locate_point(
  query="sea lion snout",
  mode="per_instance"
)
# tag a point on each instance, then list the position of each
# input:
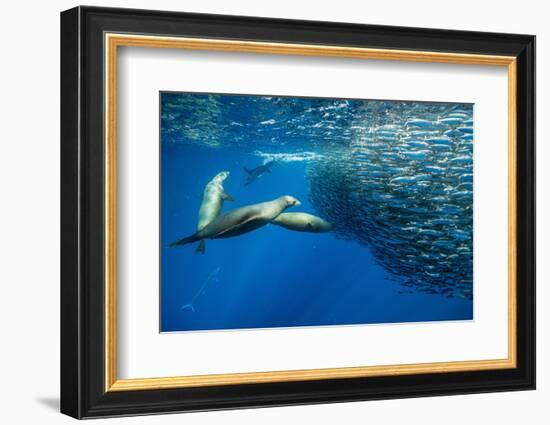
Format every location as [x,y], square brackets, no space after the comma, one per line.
[222,175]
[291,201]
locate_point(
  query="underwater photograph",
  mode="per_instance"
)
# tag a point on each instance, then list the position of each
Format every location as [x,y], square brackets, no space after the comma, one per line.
[281,212]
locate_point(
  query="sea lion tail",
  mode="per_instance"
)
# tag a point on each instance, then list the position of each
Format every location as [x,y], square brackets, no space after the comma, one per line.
[184,241]
[201,248]
[248,170]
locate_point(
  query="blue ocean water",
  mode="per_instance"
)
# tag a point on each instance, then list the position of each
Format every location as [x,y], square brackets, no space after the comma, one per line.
[393,178]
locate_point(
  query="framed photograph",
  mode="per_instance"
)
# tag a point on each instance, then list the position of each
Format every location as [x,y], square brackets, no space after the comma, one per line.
[261,212]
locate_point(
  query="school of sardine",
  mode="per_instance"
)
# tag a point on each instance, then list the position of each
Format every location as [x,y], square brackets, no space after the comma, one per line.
[403,186]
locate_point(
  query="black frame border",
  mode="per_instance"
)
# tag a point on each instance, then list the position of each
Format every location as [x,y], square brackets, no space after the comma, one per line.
[82,205]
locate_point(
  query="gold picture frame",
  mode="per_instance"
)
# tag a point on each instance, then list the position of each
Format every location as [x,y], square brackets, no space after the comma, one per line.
[114,41]
[91,39]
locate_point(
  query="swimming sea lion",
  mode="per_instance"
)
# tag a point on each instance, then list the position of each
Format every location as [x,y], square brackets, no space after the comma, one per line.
[212,202]
[241,220]
[302,222]
[254,173]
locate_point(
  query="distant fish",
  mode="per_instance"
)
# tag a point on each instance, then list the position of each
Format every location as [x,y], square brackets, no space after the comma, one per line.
[453,133]
[392,127]
[386,133]
[449,210]
[451,121]
[417,155]
[462,194]
[419,123]
[417,144]
[423,133]
[461,160]
[430,232]
[409,179]
[460,235]
[442,140]
[468,129]
[462,115]
[391,155]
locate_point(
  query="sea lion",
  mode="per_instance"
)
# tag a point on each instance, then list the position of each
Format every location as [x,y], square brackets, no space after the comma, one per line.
[212,202]
[255,173]
[241,220]
[302,222]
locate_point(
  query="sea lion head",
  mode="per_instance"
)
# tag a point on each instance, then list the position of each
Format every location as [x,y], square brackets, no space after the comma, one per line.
[290,201]
[221,176]
[318,225]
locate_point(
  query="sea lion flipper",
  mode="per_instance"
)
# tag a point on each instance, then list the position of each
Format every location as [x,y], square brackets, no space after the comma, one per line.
[201,248]
[184,241]
[234,227]
[227,197]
